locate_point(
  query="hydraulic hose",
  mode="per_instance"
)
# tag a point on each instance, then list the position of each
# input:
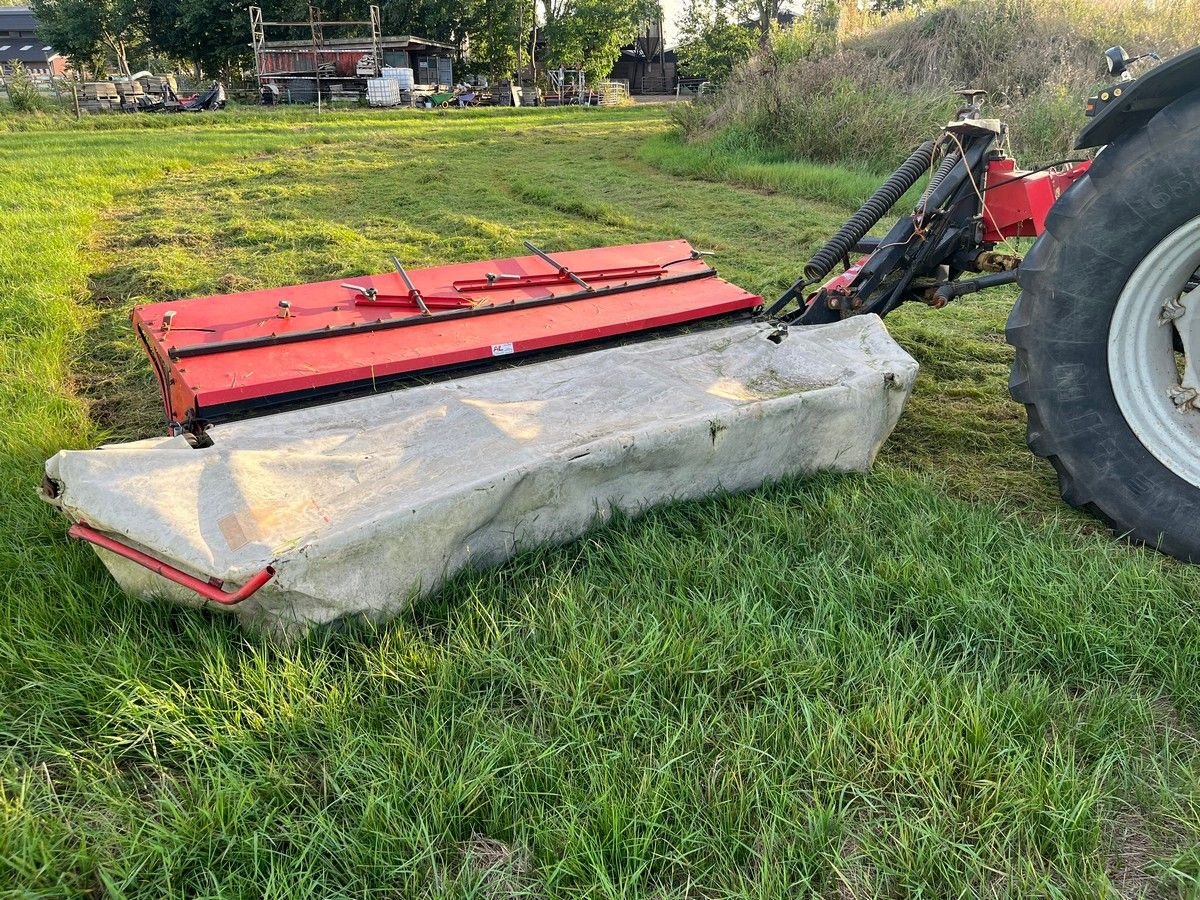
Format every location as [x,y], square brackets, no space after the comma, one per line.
[952,159]
[871,212]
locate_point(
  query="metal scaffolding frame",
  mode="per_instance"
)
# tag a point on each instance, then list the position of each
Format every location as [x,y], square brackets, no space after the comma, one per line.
[316,28]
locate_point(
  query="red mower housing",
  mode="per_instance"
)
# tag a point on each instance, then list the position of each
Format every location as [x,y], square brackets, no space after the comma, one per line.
[1017,202]
[227,356]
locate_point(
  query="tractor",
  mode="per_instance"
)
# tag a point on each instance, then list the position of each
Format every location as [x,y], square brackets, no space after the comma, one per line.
[1106,330]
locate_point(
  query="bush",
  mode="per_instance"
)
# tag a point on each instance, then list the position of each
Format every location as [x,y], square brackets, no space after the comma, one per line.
[867,88]
[711,45]
[22,92]
[828,110]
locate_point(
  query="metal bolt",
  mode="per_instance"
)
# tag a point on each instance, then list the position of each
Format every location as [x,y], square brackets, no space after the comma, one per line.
[285,309]
[1171,310]
[1184,398]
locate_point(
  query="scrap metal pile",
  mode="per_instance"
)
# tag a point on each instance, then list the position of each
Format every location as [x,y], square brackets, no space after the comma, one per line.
[147,93]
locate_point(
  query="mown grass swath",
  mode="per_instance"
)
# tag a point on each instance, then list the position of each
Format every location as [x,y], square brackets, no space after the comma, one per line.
[926,681]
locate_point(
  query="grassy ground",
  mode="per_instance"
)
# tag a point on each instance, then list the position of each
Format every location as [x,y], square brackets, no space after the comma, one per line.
[925,682]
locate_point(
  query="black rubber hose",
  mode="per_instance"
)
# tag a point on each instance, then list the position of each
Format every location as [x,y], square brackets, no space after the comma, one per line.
[871,212]
[948,164]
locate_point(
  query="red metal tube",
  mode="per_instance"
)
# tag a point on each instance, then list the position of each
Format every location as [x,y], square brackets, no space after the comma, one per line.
[507,282]
[209,590]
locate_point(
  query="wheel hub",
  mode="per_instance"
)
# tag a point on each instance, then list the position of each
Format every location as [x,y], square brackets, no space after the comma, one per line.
[1183,314]
[1154,352]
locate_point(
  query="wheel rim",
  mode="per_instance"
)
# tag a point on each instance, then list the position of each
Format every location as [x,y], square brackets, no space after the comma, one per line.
[1149,379]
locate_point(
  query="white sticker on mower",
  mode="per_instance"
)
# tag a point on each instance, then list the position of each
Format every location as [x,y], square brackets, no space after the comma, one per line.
[501,349]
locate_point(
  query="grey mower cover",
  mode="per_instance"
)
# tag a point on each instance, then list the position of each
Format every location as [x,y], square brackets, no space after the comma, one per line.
[363,505]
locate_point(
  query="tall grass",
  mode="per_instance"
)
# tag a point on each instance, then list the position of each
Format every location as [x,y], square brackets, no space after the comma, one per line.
[874,86]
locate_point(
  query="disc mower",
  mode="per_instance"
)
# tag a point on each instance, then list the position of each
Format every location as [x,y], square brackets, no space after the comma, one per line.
[1106,331]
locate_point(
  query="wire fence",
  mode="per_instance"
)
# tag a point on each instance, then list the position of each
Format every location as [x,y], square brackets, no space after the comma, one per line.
[48,90]
[71,95]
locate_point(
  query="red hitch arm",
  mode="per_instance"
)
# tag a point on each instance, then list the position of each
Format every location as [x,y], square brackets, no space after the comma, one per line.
[209,590]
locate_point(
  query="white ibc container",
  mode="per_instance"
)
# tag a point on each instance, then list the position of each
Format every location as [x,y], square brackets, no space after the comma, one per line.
[383,92]
[404,76]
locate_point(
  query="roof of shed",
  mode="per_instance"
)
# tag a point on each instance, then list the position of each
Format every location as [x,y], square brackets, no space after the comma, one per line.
[388,42]
[33,54]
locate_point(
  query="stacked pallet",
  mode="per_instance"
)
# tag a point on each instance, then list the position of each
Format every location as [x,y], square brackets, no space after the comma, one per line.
[160,86]
[508,94]
[131,93]
[99,96]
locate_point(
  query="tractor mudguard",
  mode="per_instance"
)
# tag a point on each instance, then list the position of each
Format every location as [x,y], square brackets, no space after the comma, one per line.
[1141,98]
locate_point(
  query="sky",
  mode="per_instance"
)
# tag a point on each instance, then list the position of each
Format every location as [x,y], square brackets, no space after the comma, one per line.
[671,10]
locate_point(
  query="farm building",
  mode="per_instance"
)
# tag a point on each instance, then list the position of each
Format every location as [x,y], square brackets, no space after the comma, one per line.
[645,73]
[19,41]
[300,59]
[430,60]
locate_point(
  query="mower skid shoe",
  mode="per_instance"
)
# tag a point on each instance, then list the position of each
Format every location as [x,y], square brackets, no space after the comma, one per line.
[358,507]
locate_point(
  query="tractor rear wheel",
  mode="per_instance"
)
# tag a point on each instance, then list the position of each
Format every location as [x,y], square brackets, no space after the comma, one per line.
[1107,334]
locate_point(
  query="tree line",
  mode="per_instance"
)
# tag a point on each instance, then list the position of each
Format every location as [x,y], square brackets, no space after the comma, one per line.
[213,36]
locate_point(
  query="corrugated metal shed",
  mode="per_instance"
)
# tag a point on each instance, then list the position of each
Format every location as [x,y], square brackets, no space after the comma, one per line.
[339,64]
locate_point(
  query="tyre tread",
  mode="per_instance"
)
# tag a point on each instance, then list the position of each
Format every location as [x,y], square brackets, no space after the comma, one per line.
[1052,280]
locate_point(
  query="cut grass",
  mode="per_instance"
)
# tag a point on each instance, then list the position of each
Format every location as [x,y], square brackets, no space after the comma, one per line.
[855,686]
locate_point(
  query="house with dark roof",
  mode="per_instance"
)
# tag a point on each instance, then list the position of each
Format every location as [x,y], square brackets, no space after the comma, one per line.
[19,40]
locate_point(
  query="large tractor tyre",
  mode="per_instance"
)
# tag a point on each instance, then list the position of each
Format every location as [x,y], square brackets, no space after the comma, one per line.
[1107,333]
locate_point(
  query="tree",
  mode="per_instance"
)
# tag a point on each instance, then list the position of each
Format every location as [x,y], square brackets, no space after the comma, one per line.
[765,13]
[495,29]
[439,20]
[589,34]
[89,31]
[711,41]
[210,34]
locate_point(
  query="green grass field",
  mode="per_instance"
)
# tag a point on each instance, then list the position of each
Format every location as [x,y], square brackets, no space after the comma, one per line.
[934,681]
